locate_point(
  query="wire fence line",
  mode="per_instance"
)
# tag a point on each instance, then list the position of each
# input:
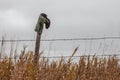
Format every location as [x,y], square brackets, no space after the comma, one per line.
[85,56]
[67,39]
[70,39]
[109,55]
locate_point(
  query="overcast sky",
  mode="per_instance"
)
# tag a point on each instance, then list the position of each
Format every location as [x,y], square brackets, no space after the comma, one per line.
[69,18]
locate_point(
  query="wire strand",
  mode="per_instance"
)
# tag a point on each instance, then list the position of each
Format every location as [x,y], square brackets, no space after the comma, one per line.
[67,39]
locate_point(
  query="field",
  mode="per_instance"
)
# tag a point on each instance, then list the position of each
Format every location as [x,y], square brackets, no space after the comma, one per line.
[87,68]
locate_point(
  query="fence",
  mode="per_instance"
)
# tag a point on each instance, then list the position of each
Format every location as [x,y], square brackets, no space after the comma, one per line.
[72,39]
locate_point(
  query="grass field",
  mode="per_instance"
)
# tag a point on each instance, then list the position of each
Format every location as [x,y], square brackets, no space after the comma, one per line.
[87,68]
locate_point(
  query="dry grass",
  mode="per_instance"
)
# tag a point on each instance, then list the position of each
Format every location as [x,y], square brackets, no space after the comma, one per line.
[86,69]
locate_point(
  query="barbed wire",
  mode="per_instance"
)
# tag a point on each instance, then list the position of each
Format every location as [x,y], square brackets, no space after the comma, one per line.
[67,39]
[109,55]
[85,56]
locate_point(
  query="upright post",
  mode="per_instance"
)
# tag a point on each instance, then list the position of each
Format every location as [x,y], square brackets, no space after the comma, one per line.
[39,28]
[37,45]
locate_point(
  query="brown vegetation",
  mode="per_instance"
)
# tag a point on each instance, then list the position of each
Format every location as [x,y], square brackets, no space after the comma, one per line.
[86,69]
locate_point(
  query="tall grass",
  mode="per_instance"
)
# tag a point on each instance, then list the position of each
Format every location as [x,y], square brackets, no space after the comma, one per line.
[86,68]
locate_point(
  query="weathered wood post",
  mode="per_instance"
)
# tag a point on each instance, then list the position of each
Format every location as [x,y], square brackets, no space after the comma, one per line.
[39,28]
[37,45]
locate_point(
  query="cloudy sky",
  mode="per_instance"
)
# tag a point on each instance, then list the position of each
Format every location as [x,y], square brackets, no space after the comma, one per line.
[69,18]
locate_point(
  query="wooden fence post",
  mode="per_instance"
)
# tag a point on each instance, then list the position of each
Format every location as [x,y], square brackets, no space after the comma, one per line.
[39,28]
[37,47]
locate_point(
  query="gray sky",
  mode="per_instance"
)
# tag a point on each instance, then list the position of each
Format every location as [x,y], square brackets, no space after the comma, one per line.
[70,18]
